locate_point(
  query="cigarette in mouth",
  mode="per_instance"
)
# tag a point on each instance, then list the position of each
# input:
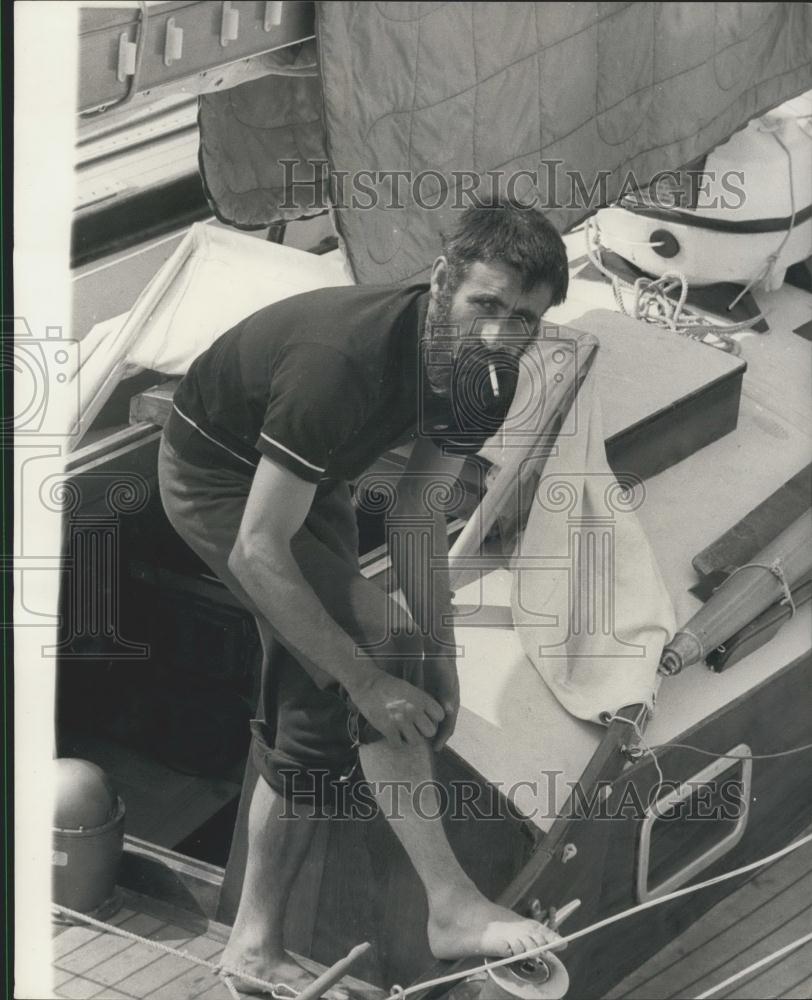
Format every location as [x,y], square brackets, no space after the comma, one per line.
[494,379]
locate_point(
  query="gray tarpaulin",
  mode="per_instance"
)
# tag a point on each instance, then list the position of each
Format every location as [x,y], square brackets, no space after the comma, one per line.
[554,90]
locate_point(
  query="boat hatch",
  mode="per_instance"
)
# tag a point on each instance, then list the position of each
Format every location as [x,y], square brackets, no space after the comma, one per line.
[693,825]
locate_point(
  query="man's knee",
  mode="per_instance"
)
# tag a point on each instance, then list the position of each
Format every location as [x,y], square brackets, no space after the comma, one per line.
[306,784]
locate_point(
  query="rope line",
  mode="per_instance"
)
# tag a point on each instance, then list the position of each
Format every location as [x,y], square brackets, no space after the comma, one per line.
[777,569]
[797,943]
[646,749]
[766,271]
[232,989]
[651,300]
[735,756]
[398,993]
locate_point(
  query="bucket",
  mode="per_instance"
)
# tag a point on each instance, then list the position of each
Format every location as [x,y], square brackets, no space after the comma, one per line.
[86,858]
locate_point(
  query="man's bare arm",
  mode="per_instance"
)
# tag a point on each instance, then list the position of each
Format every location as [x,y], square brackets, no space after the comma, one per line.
[262,561]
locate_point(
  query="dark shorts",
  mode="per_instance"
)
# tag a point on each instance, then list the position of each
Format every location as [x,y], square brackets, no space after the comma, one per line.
[306,734]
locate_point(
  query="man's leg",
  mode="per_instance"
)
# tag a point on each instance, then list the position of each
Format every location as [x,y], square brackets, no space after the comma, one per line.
[209,522]
[277,846]
[205,507]
[280,832]
[462,922]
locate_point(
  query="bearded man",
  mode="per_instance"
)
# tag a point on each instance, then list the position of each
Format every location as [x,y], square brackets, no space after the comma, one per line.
[269,427]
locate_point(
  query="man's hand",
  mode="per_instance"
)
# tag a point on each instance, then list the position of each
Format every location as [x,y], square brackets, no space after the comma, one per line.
[441,681]
[399,711]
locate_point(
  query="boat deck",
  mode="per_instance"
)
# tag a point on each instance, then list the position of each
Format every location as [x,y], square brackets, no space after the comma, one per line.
[93,963]
[772,909]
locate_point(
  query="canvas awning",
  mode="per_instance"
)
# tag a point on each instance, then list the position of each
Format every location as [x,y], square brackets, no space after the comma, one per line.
[566,101]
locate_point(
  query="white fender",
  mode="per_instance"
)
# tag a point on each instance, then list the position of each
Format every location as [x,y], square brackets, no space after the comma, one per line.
[735,232]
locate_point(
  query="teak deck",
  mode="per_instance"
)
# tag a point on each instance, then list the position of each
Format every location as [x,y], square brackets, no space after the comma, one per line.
[91,963]
[769,911]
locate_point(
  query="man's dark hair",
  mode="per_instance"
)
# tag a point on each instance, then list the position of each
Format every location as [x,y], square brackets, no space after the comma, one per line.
[512,234]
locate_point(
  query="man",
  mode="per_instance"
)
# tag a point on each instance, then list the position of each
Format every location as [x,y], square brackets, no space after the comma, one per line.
[268,427]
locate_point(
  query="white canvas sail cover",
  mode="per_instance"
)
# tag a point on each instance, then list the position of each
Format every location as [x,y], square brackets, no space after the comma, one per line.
[589,604]
[215,278]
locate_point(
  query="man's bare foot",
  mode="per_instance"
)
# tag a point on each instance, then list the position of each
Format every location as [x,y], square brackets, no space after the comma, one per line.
[469,925]
[279,970]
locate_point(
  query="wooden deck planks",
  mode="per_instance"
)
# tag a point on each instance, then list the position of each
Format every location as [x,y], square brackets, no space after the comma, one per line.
[801,990]
[774,977]
[99,965]
[217,992]
[191,983]
[777,981]
[103,946]
[145,982]
[59,977]
[78,988]
[138,956]
[766,913]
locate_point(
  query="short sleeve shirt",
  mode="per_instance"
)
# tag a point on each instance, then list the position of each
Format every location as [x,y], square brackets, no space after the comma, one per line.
[322,383]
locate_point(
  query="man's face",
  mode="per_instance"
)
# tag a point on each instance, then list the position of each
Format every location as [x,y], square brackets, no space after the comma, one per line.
[488,304]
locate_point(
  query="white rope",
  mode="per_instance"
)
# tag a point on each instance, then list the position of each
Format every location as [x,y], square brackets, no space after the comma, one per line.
[275,989]
[777,569]
[803,748]
[232,989]
[398,993]
[651,300]
[646,749]
[766,271]
[798,943]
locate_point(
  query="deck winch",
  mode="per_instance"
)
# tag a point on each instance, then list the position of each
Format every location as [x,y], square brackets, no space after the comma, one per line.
[541,978]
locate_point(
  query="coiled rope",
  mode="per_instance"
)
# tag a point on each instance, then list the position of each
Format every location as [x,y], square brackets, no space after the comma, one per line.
[652,301]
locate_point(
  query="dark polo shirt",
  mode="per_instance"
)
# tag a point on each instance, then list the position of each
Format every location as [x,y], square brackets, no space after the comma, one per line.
[322,383]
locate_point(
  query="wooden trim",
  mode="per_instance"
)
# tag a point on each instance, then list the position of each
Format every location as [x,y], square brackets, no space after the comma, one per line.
[780,810]
[604,766]
[606,763]
[110,446]
[171,878]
